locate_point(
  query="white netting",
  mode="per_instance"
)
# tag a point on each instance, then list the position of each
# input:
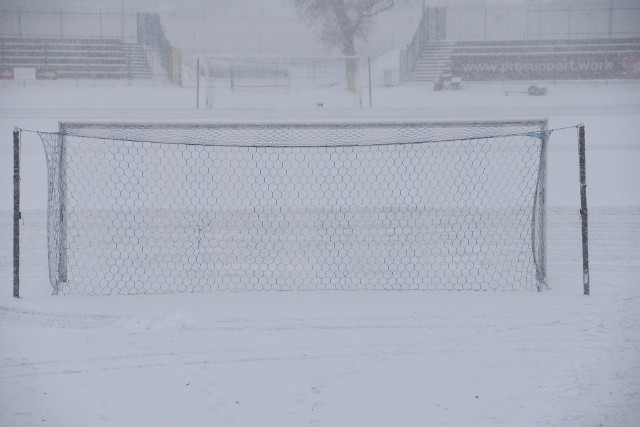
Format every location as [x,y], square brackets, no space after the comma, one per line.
[279,73]
[187,208]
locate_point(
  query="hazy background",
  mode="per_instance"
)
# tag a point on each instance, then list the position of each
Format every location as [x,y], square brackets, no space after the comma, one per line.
[266,27]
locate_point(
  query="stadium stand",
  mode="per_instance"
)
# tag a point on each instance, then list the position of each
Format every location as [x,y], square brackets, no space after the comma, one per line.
[491,60]
[76,58]
[564,41]
[80,44]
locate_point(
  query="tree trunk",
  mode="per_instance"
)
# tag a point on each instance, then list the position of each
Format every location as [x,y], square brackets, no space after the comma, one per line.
[351,64]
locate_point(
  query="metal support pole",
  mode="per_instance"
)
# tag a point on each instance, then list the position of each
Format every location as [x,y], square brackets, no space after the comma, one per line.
[370,100]
[16,213]
[544,197]
[19,21]
[122,21]
[198,83]
[64,203]
[583,210]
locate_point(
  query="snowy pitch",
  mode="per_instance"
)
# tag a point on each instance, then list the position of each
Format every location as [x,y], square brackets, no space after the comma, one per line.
[373,358]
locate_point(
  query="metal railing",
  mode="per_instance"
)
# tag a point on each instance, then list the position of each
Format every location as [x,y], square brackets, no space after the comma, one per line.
[410,56]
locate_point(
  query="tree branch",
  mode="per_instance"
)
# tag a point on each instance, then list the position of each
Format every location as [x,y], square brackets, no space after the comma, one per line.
[381,5]
[341,22]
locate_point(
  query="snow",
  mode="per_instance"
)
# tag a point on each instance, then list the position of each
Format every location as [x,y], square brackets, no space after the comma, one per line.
[555,358]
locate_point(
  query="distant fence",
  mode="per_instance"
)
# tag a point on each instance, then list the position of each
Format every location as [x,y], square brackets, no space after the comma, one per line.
[66,24]
[607,20]
[582,21]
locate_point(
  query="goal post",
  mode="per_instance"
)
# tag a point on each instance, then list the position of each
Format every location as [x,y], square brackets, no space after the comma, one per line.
[194,207]
[16,213]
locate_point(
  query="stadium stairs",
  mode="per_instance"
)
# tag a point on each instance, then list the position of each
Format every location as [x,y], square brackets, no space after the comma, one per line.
[434,61]
[76,58]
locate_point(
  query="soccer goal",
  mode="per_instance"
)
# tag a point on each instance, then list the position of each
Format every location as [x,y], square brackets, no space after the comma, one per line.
[272,73]
[161,208]
[261,81]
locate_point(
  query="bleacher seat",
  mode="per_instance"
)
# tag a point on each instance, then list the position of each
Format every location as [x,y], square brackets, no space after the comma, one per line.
[75,58]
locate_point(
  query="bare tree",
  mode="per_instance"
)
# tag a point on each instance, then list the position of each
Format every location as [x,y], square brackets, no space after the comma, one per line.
[341,22]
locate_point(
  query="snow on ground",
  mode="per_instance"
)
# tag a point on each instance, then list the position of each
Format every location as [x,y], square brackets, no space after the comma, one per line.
[555,358]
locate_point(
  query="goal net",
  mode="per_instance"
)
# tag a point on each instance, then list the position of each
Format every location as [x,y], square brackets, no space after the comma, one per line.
[156,208]
[267,73]
[264,81]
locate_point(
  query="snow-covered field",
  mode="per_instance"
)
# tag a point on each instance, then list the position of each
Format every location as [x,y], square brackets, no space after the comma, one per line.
[379,358]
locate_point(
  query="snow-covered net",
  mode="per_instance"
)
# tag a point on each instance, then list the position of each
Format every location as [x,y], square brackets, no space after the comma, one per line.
[204,207]
[264,73]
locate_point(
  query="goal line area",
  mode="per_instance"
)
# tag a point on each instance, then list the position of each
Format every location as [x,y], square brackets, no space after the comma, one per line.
[136,208]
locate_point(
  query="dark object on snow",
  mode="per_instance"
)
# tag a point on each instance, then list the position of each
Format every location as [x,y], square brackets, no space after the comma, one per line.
[533,90]
[537,91]
[447,82]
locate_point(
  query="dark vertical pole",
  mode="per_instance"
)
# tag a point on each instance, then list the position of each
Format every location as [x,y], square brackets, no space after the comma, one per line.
[64,230]
[527,37]
[569,21]
[19,21]
[198,83]
[122,21]
[610,22]
[485,23]
[370,100]
[16,213]
[544,196]
[583,210]
[424,24]
[128,62]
